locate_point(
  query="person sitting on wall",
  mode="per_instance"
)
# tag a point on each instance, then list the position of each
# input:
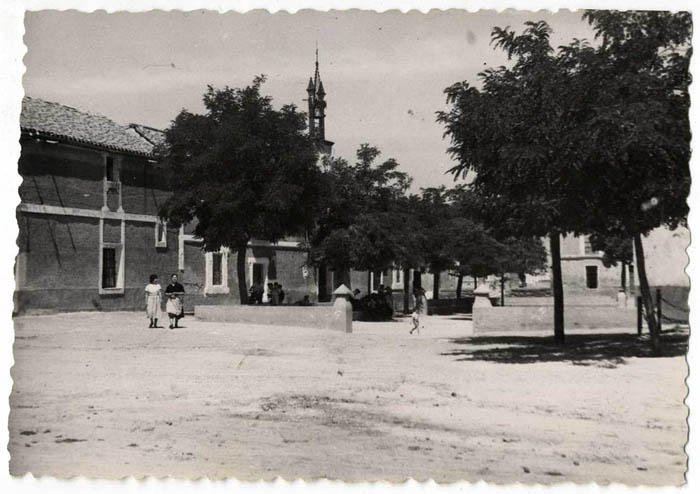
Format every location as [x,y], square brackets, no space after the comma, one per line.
[273,293]
[355,299]
[280,293]
[305,302]
[256,293]
[269,293]
[388,295]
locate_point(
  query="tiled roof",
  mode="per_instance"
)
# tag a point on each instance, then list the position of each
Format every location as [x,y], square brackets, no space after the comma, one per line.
[60,122]
[154,136]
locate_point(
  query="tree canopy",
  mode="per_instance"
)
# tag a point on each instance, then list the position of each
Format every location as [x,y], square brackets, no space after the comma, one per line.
[636,127]
[586,139]
[361,222]
[243,170]
[515,133]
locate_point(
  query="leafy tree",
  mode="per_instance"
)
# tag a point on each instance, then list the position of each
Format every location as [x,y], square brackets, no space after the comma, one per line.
[616,249]
[475,251]
[515,133]
[456,239]
[242,169]
[523,256]
[433,216]
[362,224]
[633,93]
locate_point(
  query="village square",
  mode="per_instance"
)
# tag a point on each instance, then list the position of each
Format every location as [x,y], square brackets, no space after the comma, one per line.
[323,267]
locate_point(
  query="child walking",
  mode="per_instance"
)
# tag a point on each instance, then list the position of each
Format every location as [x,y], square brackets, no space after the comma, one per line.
[420,310]
[153,300]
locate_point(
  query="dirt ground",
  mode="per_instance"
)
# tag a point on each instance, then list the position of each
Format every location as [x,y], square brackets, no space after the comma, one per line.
[101,395]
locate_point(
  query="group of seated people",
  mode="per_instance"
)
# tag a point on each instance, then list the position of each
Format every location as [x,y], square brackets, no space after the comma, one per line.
[275,294]
[383,298]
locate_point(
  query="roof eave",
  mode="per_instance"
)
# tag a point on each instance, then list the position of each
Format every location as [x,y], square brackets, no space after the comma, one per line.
[37,134]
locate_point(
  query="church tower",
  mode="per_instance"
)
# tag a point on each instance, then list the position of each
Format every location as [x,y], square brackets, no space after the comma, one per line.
[317,111]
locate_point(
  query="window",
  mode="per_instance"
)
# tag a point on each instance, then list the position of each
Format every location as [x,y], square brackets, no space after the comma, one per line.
[216,268]
[216,272]
[109,268]
[592,276]
[109,169]
[397,276]
[587,248]
[376,280]
[112,187]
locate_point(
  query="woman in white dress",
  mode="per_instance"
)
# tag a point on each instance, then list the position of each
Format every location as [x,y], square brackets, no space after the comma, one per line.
[153,301]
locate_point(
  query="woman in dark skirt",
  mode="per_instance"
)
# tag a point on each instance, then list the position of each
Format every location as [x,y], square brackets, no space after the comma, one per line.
[174,307]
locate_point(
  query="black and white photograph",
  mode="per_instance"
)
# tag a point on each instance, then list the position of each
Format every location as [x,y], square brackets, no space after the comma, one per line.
[356,245]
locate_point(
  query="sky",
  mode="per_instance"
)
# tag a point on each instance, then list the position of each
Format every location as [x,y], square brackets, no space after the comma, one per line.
[384,73]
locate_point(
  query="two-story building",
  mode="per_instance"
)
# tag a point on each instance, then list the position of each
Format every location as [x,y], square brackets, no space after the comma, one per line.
[89,232]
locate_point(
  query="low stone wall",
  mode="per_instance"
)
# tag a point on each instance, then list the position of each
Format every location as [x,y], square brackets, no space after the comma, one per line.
[328,316]
[541,318]
[450,306]
[569,301]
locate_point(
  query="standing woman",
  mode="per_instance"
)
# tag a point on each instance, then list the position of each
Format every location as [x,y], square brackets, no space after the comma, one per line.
[174,306]
[153,300]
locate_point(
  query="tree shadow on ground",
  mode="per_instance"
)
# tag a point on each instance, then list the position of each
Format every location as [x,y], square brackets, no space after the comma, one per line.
[601,350]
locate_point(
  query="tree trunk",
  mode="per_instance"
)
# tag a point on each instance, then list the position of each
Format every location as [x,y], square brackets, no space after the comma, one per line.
[436,285]
[460,279]
[323,283]
[557,287]
[647,301]
[503,290]
[240,272]
[631,279]
[369,282]
[417,279]
[406,290]
[475,282]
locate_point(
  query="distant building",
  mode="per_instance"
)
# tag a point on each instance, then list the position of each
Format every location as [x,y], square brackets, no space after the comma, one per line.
[583,271]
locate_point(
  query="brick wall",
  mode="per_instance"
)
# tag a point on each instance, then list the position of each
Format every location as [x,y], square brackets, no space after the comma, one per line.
[61,176]
[68,176]
[58,263]
[143,189]
[60,252]
[142,258]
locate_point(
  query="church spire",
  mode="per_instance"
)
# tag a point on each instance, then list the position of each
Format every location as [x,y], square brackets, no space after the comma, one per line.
[317,104]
